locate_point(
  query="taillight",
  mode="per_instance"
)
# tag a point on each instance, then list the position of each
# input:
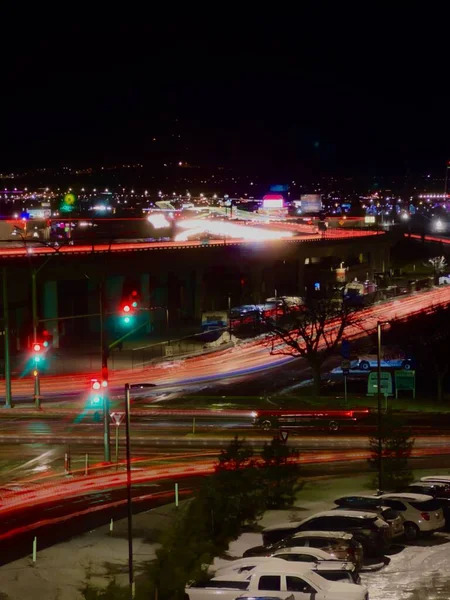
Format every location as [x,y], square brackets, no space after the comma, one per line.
[425,516]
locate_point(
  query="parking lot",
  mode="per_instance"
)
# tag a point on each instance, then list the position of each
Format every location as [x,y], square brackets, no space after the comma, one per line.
[405,567]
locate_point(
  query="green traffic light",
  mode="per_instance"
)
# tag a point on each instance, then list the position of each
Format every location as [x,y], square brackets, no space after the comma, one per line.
[127,320]
[134,304]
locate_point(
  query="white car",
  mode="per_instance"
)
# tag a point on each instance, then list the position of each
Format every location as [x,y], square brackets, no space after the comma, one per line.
[369,361]
[277,579]
[330,568]
[422,514]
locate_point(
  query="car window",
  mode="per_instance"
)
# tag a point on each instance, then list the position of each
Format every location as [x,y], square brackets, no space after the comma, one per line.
[319,542]
[270,582]
[297,557]
[389,514]
[343,523]
[296,584]
[292,542]
[358,501]
[427,505]
[314,524]
[417,489]
[395,504]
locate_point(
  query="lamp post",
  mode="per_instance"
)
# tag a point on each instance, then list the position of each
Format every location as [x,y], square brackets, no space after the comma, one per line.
[129,498]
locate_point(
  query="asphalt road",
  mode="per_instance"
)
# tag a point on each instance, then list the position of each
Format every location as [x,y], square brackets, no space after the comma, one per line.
[61,519]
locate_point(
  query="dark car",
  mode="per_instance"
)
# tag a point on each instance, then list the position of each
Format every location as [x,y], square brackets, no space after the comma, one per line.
[373,533]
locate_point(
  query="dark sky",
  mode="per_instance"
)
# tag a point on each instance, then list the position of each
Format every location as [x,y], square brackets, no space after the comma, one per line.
[331,87]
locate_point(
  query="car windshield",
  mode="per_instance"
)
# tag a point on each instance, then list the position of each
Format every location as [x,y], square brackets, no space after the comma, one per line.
[427,506]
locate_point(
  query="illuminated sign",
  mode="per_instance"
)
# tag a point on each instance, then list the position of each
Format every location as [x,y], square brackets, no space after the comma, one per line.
[311,203]
[273,201]
[369,219]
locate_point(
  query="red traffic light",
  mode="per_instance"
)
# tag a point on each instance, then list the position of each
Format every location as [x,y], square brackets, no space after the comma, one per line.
[126,308]
[37,347]
[95,384]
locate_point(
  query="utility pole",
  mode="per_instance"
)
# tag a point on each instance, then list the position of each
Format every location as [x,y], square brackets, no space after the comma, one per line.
[129,497]
[380,424]
[6,340]
[37,383]
[104,349]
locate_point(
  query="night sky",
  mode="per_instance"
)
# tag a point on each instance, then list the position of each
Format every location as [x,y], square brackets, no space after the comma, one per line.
[339,91]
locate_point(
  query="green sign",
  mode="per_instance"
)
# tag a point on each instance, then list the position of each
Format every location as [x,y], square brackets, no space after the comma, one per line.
[406,381]
[68,203]
[385,381]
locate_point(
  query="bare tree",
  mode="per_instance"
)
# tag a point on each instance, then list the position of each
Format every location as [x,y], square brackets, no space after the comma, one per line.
[312,331]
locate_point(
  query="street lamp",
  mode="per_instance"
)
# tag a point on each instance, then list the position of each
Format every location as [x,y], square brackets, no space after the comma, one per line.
[380,423]
[129,499]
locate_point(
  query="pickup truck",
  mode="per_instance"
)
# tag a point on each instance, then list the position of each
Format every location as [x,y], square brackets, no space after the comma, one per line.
[275,579]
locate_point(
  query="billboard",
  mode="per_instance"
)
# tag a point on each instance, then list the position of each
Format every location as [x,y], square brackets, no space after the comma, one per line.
[273,201]
[311,203]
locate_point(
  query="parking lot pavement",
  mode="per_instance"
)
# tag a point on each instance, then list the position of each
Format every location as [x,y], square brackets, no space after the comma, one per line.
[411,567]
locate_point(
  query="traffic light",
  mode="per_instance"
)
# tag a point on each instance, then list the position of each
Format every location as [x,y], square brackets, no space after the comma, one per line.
[127,311]
[37,351]
[129,306]
[46,338]
[134,299]
[96,393]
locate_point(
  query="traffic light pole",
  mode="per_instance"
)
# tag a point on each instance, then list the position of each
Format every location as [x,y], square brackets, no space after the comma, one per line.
[6,336]
[37,383]
[104,356]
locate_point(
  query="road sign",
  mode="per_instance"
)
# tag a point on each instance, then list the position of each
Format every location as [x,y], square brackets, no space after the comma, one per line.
[117,417]
[385,383]
[345,366]
[284,435]
[345,349]
[405,381]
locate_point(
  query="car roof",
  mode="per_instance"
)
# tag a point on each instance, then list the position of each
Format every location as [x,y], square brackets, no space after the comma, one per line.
[442,478]
[342,535]
[285,525]
[408,497]
[355,514]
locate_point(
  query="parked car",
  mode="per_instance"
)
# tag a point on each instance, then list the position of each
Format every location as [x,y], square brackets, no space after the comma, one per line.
[370,361]
[341,545]
[422,514]
[282,578]
[443,479]
[334,570]
[373,504]
[373,533]
[439,491]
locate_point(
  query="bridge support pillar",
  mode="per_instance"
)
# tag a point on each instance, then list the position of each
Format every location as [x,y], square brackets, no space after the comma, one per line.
[51,310]
[301,284]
